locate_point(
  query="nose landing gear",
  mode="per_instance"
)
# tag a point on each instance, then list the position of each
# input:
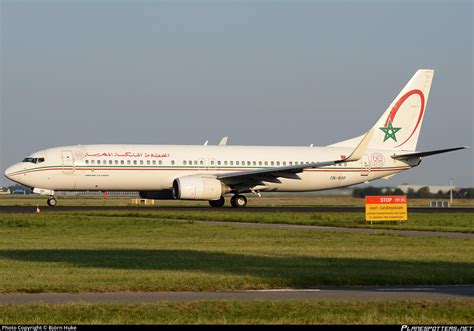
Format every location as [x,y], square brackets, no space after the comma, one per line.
[52,201]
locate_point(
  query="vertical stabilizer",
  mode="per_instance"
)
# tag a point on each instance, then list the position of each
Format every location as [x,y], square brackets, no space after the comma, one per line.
[399,126]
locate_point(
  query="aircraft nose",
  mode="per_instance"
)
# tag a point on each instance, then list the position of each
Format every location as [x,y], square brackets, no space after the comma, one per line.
[10,171]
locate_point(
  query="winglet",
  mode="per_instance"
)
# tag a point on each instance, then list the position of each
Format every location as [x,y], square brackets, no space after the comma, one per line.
[223,141]
[359,151]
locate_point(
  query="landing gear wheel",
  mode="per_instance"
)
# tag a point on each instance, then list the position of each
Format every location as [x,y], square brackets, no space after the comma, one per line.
[238,201]
[217,203]
[52,202]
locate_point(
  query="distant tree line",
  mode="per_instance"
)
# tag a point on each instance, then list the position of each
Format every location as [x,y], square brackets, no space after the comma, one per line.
[422,193]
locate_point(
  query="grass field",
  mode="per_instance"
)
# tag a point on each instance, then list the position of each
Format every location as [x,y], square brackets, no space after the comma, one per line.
[61,253]
[149,250]
[268,200]
[254,312]
[454,222]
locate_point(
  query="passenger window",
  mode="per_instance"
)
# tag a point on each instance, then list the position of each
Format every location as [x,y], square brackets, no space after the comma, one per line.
[218,162]
[291,163]
[212,162]
[184,162]
[225,162]
[190,163]
[128,162]
[201,162]
[116,162]
[237,163]
[172,162]
[153,162]
[254,162]
[141,162]
[98,161]
[148,162]
[284,163]
[110,162]
[259,163]
[92,162]
[87,161]
[122,162]
[160,162]
[278,163]
[272,163]
[266,163]
[231,162]
[134,161]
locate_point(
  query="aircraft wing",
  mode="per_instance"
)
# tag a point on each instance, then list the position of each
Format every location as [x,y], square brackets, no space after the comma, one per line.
[291,171]
[407,156]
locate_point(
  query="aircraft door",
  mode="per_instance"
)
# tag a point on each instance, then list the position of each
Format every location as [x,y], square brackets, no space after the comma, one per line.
[365,165]
[68,162]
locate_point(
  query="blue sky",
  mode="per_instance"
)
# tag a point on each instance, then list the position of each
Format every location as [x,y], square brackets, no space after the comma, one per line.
[261,72]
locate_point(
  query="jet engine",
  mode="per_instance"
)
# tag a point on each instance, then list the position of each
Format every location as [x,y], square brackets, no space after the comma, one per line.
[196,187]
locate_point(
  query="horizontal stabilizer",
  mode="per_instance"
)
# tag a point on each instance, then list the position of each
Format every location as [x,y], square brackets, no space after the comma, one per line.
[427,153]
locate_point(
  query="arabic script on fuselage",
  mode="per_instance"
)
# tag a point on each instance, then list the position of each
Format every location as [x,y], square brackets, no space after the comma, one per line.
[129,154]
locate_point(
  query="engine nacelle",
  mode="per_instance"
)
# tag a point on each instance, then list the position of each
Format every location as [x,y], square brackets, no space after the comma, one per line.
[196,187]
[157,195]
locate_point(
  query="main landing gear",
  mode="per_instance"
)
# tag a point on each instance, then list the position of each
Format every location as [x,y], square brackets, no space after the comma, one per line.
[52,201]
[217,203]
[237,201]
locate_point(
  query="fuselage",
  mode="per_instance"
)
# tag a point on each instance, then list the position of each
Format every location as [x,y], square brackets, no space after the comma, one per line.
[155,167]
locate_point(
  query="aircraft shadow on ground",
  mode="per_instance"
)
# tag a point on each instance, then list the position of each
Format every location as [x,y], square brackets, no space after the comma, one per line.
[293,271]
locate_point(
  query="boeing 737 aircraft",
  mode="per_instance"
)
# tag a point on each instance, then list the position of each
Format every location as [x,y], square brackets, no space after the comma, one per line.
[212,172]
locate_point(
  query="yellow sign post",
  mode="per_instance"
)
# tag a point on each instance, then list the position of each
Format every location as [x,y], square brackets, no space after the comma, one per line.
[386,208]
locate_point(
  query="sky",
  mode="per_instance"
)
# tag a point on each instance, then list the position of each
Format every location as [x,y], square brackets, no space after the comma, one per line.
[260,72]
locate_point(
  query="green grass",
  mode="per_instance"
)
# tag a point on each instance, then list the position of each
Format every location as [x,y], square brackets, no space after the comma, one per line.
[237,312]
[268,200]
[73,253]
[446,222]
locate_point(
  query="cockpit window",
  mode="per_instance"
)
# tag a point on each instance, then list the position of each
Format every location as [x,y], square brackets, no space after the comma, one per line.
[34,159]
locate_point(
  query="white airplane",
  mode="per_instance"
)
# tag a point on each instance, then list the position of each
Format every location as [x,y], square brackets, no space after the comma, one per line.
[202,172]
